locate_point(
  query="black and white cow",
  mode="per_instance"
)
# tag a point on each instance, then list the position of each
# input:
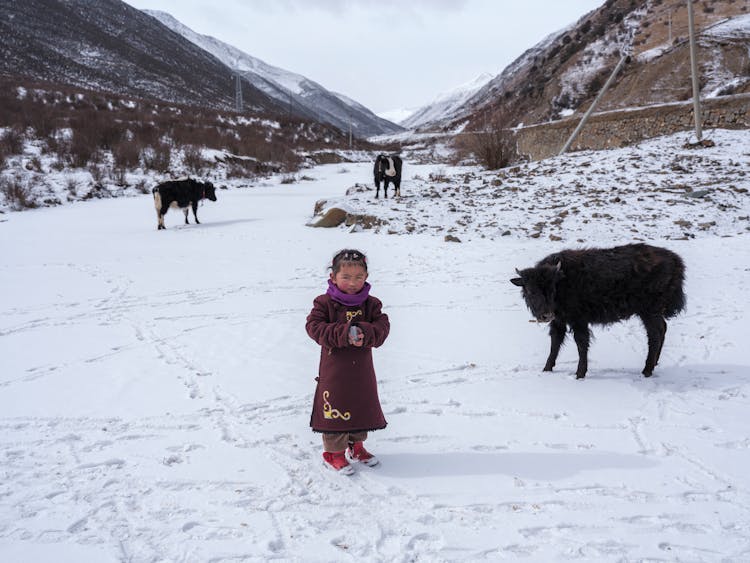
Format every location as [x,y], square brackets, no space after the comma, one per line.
[184,193]
[387,169]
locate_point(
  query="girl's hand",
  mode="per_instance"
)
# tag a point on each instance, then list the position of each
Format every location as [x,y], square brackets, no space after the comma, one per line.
[356,336]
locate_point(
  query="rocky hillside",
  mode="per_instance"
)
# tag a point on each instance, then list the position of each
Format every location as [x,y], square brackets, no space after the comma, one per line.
[563,73]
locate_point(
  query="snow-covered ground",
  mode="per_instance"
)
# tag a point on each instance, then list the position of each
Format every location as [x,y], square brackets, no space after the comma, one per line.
[155,394]
[657,189]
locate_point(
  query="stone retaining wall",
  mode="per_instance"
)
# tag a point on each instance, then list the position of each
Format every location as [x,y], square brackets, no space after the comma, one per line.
[620,128]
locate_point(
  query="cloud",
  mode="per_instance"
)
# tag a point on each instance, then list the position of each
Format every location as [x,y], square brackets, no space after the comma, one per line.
[341,7]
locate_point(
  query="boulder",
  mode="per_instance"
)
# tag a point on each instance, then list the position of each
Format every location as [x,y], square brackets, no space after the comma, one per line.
[331,217]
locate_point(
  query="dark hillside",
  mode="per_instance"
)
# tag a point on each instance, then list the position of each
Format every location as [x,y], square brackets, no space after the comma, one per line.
[109,46]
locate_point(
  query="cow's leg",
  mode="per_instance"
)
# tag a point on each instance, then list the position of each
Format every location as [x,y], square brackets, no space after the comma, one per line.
[557,332]
[655,331]
[582,337]
[377,189]
[159,211]
[385,187]
[186,210]
[162,213]
[195,212]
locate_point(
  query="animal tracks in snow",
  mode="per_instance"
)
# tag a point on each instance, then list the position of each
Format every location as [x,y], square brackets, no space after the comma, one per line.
[159,408]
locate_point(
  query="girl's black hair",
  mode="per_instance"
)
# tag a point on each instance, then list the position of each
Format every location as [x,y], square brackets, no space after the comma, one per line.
[348,256]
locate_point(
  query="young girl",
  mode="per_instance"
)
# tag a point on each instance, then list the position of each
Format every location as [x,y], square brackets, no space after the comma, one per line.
[348,323]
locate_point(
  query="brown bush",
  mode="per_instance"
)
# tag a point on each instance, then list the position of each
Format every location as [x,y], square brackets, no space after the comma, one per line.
[157,157]
[192,158]
[495,146]
[18,194]
[126,155]
[100,122]
[12,141]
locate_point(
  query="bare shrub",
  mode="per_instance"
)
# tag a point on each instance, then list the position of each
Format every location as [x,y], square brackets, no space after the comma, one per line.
[72,187]
[157,157]
[126,155]
[239,171]
[118,177]
[142,186]
[97,173]
[82,148]
[439,175]
[18,194]
[35,164]
[495,147]
[12,141]
[193,159]
[288,179]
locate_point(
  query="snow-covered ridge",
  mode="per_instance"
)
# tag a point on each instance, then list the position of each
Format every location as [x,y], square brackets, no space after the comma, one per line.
[446,103]
[287,87]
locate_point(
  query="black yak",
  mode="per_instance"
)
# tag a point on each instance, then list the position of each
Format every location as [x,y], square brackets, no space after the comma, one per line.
[575,288]
[184,193]
[387,169]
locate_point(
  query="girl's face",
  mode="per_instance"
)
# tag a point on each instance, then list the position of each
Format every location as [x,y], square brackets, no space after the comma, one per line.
[350,278]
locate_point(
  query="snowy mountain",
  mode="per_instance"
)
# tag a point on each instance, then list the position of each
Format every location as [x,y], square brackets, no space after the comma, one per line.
[446,103]
[291,90]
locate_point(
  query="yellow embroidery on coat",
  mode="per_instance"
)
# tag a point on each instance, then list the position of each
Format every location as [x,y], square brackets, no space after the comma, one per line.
[352,314]
[329,412]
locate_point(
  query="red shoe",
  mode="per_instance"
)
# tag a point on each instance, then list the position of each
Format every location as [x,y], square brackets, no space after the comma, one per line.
[357,452]
[337,462]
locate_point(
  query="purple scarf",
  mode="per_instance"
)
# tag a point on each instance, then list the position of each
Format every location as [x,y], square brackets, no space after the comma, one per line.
[347,299]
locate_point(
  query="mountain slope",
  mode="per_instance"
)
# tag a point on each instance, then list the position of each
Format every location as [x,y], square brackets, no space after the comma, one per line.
[292,90]
[446,103]
[564,72]
[108,45]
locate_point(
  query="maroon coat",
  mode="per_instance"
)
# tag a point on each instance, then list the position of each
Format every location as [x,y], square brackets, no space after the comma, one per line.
[346,398]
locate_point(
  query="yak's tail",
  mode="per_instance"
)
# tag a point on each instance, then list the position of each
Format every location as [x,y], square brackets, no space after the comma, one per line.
[675,295]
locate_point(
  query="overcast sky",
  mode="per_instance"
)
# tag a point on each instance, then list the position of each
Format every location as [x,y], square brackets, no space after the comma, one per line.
[385,54]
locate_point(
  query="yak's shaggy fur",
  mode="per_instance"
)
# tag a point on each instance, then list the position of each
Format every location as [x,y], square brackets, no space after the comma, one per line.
[575,288]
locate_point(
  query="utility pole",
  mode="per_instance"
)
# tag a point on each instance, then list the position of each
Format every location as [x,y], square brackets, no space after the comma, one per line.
[593,104]
[670,26]
[238,92]
[694,72]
